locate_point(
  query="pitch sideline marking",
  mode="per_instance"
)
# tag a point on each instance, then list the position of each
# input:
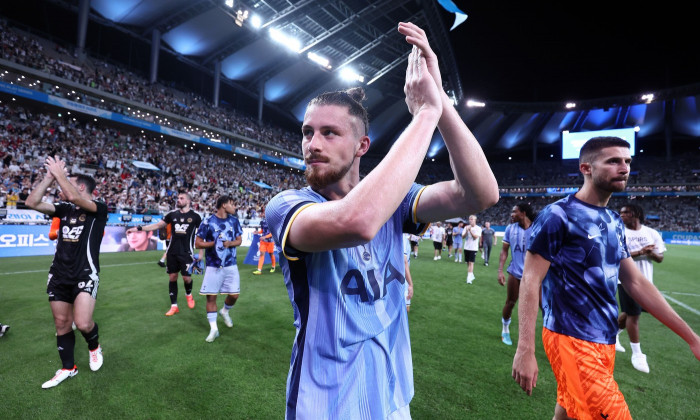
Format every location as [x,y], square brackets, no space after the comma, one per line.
[681,293]
[46,270]
[681,304]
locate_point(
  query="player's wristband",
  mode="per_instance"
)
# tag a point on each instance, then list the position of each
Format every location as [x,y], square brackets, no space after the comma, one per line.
[139,228]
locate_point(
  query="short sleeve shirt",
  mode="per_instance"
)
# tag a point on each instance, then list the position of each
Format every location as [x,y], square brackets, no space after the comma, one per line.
[183,229]
[584,244]
[78,243]
[219,230]
[351,356]
[516,237]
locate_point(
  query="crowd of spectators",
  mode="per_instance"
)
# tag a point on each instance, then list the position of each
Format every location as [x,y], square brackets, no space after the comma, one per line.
[50,58]
[107,154]
[675,213]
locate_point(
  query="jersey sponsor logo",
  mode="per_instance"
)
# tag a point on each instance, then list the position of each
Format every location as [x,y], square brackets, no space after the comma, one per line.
[353,283]
[519,247]
[72,234]
[181,227]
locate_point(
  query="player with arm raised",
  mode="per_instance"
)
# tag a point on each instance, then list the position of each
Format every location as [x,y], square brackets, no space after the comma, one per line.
[341,241]
[74,273]
[180,253]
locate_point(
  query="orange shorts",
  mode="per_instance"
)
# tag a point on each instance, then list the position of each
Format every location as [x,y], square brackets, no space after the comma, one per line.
[586,388]
[266,247]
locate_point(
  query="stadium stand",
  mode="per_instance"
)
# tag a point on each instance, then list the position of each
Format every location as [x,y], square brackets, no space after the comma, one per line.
[36,53]
[669,194]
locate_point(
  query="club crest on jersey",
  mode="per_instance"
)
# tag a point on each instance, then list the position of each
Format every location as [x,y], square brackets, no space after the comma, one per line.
[82,217]
[365,254]
[189,220]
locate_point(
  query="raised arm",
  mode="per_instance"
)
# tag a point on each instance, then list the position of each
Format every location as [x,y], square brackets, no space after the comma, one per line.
[356,217]
[57,168]
[148,228]
[474,187]
[33,201]
[524,363]
[649,297]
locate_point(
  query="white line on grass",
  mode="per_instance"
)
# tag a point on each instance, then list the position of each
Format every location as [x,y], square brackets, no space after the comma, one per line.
[46,270]
[681,293]
[679,303]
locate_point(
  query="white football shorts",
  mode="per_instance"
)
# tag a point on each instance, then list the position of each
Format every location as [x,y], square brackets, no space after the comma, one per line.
[221,280]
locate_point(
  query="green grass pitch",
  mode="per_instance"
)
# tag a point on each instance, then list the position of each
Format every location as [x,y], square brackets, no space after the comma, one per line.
[159,367]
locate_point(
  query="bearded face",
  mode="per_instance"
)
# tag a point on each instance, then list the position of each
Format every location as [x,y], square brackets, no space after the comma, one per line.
[330,144]
[319,177]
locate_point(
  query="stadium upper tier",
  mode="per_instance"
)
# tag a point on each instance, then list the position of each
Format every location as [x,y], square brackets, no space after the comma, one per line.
[132,95]
[107,153]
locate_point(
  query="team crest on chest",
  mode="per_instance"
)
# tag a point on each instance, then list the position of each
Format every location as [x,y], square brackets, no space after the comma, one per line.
[365,254]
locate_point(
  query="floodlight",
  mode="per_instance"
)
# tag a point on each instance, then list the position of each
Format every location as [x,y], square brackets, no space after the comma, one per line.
[318,59]
[241,16]
[570,105]
[350,75]
[475,104]
[229,3]
[288,41]
[255,21]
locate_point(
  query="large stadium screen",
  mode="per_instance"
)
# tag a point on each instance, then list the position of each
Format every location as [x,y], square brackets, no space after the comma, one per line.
[571,143]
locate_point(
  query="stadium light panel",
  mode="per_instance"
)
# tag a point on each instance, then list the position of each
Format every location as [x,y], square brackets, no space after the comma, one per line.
[241,16]
[289,42]
[475,104]
[350,75]
[323,61]
[229,3]
[570,105]
[255,21]
[648,97]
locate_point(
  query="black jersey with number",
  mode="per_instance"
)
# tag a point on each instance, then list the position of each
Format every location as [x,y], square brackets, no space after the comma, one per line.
[79,238]
[183,229]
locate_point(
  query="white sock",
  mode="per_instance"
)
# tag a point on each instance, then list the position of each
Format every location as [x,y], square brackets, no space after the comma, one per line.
[636,348]
[211,317]
[470,276]
[506,325]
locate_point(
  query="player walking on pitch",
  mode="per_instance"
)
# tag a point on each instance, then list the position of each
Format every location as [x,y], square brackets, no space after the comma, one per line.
[645,245]
[74,273]
[180,253]
[577,253]
[515,240]
[219,235]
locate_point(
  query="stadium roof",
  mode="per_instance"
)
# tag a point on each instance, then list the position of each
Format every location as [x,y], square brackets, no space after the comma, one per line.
[524,60]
